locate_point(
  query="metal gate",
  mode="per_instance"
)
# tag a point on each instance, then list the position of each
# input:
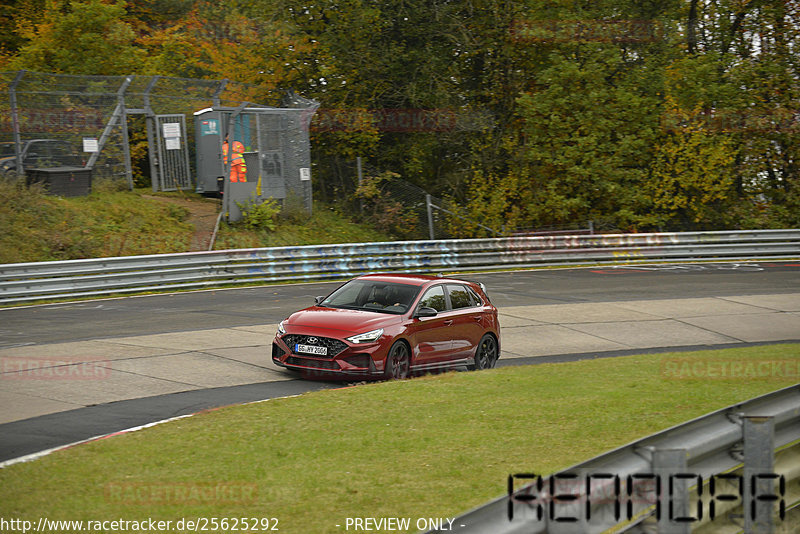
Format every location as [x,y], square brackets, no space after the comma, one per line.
[172,166]
[272,131]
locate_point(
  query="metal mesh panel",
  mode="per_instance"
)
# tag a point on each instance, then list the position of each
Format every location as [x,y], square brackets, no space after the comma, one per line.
[421,222]
[67,108]
[432,217]
[285,159]
[173,155]
[72,108]
[272,161]
[299,166]
[415,200]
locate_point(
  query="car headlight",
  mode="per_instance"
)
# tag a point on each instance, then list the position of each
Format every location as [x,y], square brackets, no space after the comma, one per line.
[366,337]
[281,329]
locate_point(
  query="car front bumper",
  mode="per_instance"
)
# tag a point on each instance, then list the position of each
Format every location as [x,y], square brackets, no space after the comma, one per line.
[355,360]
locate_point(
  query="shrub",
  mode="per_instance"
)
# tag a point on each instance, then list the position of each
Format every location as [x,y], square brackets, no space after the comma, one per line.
[259,215]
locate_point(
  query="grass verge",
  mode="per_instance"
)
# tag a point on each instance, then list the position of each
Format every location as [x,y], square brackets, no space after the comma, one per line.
[108,222]
[428,447]
[113,221]
[324,226]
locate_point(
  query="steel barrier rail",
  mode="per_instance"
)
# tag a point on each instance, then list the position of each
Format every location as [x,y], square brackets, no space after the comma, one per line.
[27,282]
[657,484]
[510,245]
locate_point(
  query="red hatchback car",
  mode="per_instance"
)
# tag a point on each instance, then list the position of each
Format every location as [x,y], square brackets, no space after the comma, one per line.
[392,326]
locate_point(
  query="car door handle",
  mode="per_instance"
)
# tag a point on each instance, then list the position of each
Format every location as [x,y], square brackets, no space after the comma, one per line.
[448,322]
[477,317]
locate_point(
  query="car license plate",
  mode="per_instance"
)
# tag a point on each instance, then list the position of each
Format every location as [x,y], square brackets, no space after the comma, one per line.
[311,349]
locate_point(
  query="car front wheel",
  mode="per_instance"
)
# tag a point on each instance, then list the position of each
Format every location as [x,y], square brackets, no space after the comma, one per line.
[486,355]
[398,362]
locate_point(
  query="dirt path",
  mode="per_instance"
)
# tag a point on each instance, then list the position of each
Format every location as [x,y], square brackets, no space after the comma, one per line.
[202,214]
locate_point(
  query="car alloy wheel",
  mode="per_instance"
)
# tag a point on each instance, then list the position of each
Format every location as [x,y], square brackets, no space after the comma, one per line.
[486,356]
[397,362]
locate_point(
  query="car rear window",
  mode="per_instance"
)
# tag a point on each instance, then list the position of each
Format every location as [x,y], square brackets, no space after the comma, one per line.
[462,296]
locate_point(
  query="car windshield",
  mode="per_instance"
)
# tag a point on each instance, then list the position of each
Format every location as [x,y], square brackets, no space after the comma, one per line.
[373,295]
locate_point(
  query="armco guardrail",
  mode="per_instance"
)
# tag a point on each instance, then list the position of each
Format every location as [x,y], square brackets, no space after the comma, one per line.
[733,469]
[26,282]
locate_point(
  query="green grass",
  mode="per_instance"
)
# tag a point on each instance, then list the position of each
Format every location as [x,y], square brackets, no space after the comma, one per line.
[428,447]
[108,222]
[325,226]
[113,221]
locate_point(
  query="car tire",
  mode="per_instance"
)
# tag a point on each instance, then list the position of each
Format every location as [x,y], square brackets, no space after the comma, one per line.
[486,354]
[398,362]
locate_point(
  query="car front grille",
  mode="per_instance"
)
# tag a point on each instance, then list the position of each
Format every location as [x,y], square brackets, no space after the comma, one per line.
[316,364]
[335,346]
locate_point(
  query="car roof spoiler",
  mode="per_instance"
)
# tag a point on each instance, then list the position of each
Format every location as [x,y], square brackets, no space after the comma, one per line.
[476,282]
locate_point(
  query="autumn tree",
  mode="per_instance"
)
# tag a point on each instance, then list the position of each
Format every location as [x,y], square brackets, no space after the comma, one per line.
[635,114]
[691,177]
[740,75]
[80,37]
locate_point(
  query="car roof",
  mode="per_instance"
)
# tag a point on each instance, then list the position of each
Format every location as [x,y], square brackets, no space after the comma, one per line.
[408,278]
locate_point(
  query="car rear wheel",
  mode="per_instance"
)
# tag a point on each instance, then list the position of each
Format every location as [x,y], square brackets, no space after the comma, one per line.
[398,362]
[486,355]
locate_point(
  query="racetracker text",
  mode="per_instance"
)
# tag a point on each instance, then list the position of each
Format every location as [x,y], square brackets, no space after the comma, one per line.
[196,524]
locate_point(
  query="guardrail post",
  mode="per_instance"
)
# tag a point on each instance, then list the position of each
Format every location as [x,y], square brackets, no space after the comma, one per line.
[674,514]
[759,480]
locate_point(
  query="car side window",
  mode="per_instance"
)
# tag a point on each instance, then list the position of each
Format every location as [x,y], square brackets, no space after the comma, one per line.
[434,298]
[461,297]
[475,297]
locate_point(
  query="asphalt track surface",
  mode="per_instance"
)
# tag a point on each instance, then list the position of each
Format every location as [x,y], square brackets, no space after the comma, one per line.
[154,314]
[178,312]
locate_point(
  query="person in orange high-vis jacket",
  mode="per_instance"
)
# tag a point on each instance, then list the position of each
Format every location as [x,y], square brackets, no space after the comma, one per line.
[238,165]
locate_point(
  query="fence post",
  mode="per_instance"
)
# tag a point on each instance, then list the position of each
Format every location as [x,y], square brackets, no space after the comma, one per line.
[124,131]
[150,120]
[12,90]
[430,216]
[759,480]
[359,174]
[215,98]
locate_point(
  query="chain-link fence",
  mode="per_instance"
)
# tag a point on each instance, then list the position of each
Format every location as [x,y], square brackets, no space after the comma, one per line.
[427,216]
[410,212]
[274,158]
[99,117]
[102,120]
[396,206]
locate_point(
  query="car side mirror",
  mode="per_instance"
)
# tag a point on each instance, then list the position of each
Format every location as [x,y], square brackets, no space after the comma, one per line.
[318,300]
[424,311]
